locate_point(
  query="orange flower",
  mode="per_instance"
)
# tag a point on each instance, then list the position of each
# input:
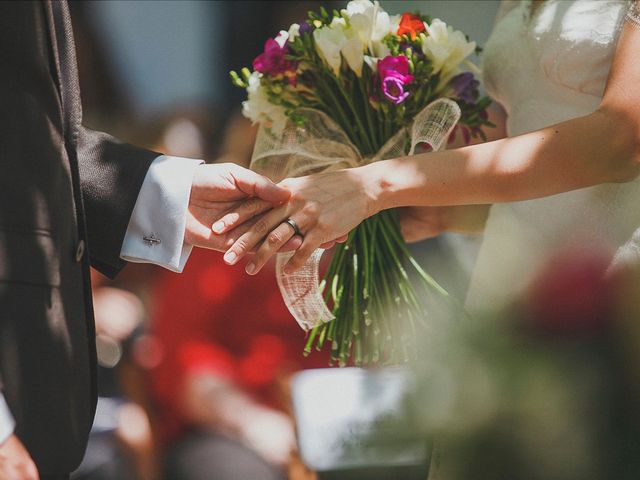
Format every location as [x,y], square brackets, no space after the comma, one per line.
[411,24]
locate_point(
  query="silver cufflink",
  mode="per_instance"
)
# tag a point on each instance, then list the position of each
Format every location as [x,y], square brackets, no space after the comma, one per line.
[151,240]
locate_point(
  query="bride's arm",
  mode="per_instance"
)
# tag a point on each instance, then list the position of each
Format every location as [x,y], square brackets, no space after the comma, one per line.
[598,148]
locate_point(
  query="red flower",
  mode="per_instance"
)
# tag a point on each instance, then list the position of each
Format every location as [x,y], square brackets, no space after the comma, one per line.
[572,295]
[411,24]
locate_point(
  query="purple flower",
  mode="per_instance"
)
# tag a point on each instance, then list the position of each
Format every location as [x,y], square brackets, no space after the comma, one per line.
[394,76]
[465,87]
[305,28]
[272,61]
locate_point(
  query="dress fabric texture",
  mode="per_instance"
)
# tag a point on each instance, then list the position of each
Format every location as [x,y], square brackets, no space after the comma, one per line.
[546,66]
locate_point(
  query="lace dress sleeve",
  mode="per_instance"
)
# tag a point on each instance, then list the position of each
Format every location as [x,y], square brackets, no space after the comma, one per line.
[633,14]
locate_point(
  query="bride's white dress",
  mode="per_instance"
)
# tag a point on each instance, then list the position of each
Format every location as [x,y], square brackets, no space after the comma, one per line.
[545,68]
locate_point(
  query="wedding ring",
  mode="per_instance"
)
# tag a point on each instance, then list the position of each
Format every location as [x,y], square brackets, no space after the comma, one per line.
[294,225]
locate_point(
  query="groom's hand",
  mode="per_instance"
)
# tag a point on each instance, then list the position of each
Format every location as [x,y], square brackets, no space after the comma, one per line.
[219,187]
[15,461]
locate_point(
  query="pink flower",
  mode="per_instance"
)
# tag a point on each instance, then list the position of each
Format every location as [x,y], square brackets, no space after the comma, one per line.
[272,61]
[394,76]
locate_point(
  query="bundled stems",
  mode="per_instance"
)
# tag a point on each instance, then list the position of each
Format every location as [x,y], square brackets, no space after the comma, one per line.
[378,307]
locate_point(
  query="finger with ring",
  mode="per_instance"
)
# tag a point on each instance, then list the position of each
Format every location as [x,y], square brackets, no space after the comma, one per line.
[271,245]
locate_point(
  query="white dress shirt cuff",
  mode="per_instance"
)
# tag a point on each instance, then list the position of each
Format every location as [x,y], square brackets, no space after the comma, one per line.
[156,229]
[7,423]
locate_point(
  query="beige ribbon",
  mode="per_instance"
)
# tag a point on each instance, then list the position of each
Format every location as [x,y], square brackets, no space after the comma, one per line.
[321,145]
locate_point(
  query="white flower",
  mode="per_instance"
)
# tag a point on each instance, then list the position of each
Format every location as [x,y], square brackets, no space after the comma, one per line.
[329,41]
[259,109]
[282,38]
[372,24]
[353,52]
[445,47]
[361,15]
[368,24]
[335,40]
[294,32]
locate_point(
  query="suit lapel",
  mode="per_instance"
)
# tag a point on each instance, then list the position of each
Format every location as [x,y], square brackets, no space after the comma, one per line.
[63,52]
[53,45]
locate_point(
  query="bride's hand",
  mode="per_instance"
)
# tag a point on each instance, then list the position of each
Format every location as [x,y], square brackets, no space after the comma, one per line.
[325,207]
[419,223]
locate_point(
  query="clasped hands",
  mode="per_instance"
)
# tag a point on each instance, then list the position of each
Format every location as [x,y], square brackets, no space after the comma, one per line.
[238,211]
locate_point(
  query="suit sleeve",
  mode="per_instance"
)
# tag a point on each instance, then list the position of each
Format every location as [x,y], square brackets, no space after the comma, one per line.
[111,175]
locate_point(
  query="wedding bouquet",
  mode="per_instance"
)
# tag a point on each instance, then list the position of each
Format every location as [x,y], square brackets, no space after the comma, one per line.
[339,90]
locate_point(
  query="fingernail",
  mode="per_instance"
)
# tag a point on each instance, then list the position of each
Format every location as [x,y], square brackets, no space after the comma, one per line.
[230,257]
[287,270]
[250,269]
[218,227]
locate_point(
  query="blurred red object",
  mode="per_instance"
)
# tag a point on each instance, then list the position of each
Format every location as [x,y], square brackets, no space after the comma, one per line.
[572,295]
[215,318]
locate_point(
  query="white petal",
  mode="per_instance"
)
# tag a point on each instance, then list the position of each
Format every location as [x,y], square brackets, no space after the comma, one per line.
[294,32]
[282,38]
[329,42]
[353,53]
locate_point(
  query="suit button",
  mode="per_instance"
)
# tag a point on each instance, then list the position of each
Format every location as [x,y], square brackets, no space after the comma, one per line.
[80,251]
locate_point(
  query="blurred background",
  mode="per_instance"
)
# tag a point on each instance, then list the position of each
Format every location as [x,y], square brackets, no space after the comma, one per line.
[194,379]
[162,56]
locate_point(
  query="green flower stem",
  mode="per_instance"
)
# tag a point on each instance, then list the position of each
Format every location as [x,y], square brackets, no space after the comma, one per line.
[370,149]
[377,140]
[380,125]
[357,135]
[330,278]
[358,350]
[364,243]
[355,324]
[312,336]
[399,241]
[387,296]
[345,340]
[331,331]
[336,107]
[393,252]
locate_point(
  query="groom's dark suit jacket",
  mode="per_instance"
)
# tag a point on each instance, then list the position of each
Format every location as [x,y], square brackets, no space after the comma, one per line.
[66,196]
